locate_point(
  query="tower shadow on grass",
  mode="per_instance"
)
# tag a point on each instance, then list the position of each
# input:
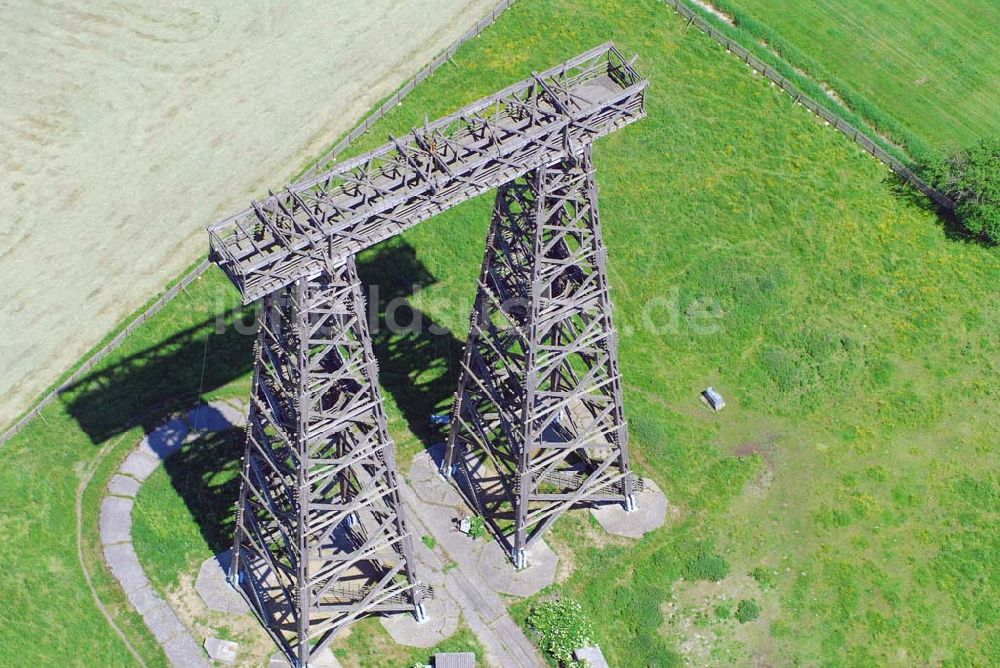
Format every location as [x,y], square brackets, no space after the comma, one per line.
[144,387]
[205,474]
[418,359]
[418,368]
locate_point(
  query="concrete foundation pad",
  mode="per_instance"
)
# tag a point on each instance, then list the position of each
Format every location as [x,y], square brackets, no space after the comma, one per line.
[429,484]
[498,571]
[165,440]
[650,513]
[325,659]
[221,650]
[215,590]
[441,622]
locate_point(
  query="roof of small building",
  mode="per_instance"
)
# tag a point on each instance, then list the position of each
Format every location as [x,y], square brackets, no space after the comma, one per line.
[592,657]
[455,660]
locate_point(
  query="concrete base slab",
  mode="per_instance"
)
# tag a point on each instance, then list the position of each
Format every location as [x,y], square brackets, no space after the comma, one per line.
[498,571]
[441,622]
[165,440]
[221,650]
[325,659]
[215,590]
[650,513]
[429,484]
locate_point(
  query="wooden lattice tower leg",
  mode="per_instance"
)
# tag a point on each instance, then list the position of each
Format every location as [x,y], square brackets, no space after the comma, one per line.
[320,533]
[538,425]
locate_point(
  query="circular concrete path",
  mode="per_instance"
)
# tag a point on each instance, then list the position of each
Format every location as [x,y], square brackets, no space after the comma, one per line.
[116,524]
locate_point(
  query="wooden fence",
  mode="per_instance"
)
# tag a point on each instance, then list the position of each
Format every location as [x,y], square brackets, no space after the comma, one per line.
[854,133]
[105,350]
[155,307]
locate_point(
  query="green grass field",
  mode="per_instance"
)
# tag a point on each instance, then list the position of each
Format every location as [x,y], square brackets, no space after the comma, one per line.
[854,473]
[931,64]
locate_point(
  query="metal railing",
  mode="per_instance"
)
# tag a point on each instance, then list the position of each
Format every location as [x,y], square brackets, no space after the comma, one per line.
[832,118]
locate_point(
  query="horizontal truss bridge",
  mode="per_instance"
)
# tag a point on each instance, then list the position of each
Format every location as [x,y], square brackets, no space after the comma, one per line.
[324,220]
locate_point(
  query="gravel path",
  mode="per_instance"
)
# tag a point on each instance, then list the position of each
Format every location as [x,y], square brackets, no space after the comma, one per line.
[430,511]
[483,610]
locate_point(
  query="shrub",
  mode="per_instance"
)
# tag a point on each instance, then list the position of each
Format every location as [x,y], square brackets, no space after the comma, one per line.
[563,627]
[429,542]
[707,567]
[722,611]
[747,610]
[477,527]
[971,178]
[763,575]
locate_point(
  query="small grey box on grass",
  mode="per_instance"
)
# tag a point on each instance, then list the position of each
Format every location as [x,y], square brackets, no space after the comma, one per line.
[714,399]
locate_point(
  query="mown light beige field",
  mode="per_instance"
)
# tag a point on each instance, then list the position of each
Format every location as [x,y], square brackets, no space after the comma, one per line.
[125,128]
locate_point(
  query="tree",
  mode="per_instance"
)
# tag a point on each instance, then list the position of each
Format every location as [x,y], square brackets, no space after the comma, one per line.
[477,527]
[971,178]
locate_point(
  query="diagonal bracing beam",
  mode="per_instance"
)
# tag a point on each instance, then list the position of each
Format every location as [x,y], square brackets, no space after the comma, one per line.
[321,538]
[538,425]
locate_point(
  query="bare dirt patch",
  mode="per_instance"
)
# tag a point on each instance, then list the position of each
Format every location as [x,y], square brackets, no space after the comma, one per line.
[767,449]
[127,128]
[255,645]
[705,638]
[715,11]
